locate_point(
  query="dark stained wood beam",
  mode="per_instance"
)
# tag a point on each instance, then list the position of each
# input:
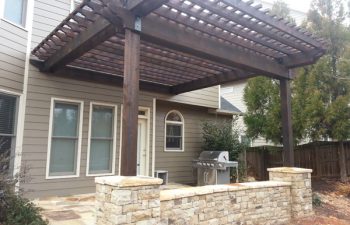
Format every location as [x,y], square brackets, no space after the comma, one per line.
[245,22]
[95,34]
[287,131]
[302,59]
[171,36]
[158,31]
[139,8]
[211,81]
[89,75]
[279,25]
[202,27]
[225,26]
[98,31]
[130,103]
[142,8]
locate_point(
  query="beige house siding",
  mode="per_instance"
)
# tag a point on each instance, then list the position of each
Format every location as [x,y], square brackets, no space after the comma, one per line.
[13,41]
[41,89]
[179,164]
[47,15]
[207,97]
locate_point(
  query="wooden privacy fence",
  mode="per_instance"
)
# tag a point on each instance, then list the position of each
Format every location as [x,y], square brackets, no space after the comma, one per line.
[321,157]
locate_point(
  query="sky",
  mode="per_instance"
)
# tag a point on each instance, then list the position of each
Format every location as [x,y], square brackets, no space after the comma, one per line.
[300,5]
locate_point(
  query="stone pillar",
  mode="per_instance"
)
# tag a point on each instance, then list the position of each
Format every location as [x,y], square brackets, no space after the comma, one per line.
[301,193]
[127,200]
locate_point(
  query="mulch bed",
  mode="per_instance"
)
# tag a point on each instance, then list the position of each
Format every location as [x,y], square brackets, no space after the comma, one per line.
[335,206]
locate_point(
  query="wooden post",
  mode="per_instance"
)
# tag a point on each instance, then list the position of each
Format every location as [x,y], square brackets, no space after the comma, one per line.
[287,130]
[342,163]
[130,103]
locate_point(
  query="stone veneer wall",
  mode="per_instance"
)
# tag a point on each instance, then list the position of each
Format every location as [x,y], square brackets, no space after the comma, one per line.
[301,191]
[251,203]
[127,200]
[138,200]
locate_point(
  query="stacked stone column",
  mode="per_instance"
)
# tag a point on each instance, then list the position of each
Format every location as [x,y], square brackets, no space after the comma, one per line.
[127,200]
[301,192]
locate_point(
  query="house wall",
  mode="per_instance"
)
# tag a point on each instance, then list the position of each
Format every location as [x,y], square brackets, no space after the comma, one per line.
[179,164]
[234,93]
[47,15]
[208,97]
[41,88]
[13,42]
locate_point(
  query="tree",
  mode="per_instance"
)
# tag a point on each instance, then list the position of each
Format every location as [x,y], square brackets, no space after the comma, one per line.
[329,77]
[320,92]
[281,9]
[262,118]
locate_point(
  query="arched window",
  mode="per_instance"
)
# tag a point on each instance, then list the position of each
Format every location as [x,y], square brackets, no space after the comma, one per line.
[174,131]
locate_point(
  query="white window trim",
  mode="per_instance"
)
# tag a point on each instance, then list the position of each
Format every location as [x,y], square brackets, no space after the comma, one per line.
[148,118]
[81,112]
[24,26]
[7,92]
[114,142]
[183,131]
[16,134]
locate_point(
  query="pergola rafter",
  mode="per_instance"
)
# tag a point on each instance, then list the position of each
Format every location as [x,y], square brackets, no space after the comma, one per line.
[175,46]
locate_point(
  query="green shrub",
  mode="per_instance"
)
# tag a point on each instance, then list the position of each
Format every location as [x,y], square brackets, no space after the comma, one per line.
[316,200]
[224,136]
[15,209]
[20,211]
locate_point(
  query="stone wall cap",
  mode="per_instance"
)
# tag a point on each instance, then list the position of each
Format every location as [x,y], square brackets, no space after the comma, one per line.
[166,195]
[122,181]
[266,184]
[289,170]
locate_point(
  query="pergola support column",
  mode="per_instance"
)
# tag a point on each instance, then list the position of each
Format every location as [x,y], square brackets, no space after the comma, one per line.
[287,131]
[130,103]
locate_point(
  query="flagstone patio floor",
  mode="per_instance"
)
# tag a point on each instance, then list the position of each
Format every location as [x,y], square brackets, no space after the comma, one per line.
[76,209]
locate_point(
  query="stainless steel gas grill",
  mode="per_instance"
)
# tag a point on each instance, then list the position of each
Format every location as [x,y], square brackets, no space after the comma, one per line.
[213,167]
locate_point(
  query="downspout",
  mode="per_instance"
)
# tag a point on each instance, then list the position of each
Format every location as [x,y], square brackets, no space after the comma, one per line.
[23,98]
[154,136]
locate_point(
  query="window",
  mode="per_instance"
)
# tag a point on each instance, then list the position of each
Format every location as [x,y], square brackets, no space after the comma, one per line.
[174,131]
[65,138]
[101,150]
[8,106]
[15,11]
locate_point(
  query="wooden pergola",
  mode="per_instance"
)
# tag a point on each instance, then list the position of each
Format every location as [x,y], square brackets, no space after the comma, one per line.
[176,46]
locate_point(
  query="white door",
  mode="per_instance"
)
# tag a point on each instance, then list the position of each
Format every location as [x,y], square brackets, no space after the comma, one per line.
[142,147]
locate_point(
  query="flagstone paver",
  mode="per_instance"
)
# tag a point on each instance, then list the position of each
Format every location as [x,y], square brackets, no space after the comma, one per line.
[76,209]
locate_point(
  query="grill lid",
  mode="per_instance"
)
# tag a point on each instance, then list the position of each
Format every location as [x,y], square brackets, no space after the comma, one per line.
[220,156]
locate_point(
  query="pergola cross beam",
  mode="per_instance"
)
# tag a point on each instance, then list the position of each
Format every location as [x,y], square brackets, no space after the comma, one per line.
[157,31]
[211,81]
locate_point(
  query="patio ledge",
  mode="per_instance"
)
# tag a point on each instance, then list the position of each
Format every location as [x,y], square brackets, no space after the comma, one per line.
[167,195]
[122,181]
[289,170]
